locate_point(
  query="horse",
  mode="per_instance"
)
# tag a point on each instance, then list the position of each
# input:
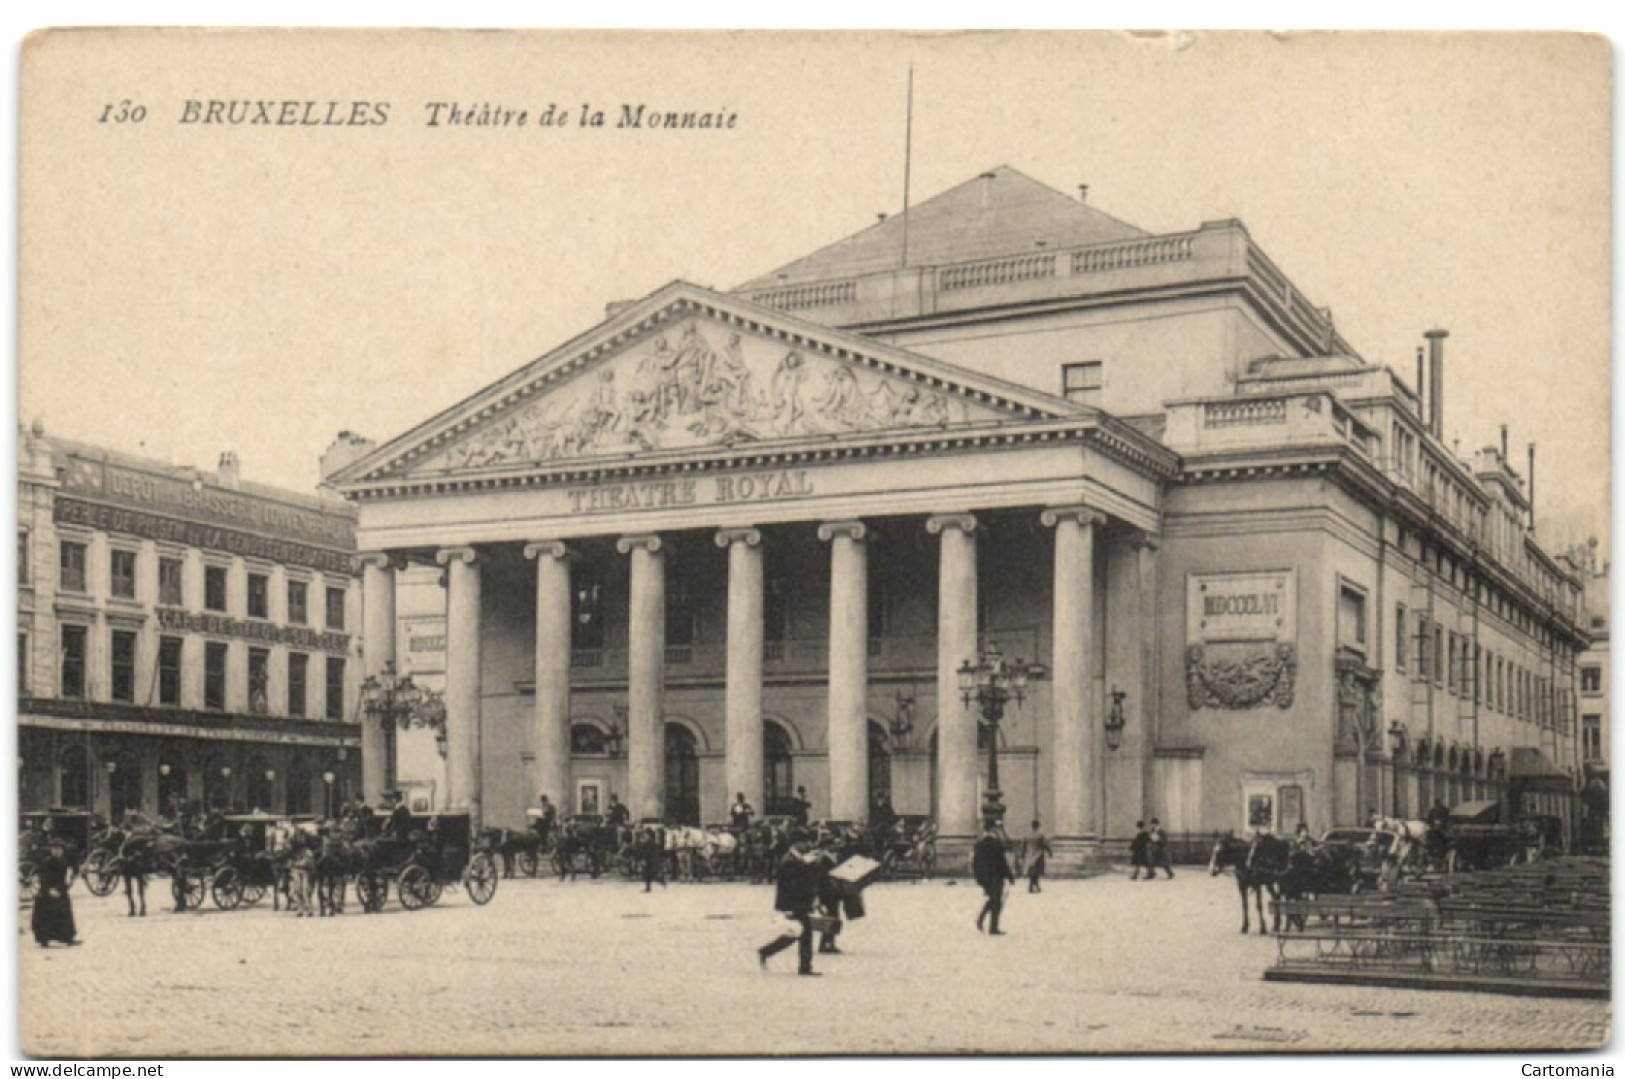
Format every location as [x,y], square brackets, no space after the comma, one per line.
[1257,864]
[585,841]
[334,859]
[1329,869]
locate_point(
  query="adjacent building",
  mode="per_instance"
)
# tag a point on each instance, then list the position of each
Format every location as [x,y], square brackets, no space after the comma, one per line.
[182,636]
[744,542]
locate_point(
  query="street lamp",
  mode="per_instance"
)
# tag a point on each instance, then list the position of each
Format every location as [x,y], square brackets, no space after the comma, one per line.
[396,702]
[328,778]
[992,682]
[1115,720]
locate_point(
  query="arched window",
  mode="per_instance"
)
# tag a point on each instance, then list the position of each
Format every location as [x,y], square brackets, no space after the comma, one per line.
[299,780]
[258,778]
[587,740]
[73,769]
[171,783]
[682,775]
[124,783]
[778,771]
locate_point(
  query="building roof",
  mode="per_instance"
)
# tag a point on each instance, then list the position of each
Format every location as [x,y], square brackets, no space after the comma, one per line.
[1001,212]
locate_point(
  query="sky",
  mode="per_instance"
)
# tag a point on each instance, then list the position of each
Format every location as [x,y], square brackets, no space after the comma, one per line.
[189,288]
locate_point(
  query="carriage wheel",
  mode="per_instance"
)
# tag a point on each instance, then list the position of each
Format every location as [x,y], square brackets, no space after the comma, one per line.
[253,893]
[227,888]
[480,878]
[373,890]
[100,873]
[413,888]
[193,885]
[27,881]
[525,862]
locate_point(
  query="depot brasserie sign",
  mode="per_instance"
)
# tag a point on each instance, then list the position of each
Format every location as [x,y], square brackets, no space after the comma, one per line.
[206,537]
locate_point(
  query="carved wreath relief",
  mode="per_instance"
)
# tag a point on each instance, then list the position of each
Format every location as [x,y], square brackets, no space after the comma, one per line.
[688,393]
[1267,677]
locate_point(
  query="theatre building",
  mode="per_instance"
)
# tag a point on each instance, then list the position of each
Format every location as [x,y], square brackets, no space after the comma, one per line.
[744,542]
[182,636]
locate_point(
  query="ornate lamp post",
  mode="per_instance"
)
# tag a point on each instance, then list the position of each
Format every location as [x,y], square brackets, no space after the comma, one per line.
[992,682]
[397,703]
[1115,720]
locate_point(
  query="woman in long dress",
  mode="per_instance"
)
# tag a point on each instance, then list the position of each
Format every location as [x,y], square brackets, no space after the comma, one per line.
[53,910]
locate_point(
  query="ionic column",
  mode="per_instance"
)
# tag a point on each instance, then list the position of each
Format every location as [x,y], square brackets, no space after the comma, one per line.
[378,629]
[463,765]
[551,716]
[646,672]
[1150,710]
[848,734]
[743,707]
[956,643]
[1076,734]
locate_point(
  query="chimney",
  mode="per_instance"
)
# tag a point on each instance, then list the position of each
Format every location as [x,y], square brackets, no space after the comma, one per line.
[347,448]
[1531,486]
[1503,444]
[1083,192]
[1436,377]
[880,216]
[229,470]
[987,179]
[1421,385]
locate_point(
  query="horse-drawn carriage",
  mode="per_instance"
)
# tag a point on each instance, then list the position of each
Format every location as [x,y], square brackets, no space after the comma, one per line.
[80,834]
[909,849]
[590,842]
[255,865]
[439,851]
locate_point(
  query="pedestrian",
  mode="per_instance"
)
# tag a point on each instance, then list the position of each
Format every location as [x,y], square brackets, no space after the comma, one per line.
[545,821]
[1037,854]
[739,815]
[829,904]
[1139,849]
[618,813]
[794,897]
[1159,851]
[53,909]
[302,873]
[651,854]
[802,807]
[991,869]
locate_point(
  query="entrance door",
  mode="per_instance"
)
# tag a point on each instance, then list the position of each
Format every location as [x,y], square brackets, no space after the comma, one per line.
[682,775]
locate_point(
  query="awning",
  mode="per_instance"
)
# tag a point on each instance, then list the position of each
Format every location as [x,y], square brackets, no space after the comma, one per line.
[1531,770]
[1475,812]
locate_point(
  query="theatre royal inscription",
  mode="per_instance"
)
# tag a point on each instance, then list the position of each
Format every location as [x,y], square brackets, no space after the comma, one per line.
[1241,639]
[661,494]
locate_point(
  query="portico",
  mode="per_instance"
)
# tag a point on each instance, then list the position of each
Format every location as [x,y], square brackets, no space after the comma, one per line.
[810,544]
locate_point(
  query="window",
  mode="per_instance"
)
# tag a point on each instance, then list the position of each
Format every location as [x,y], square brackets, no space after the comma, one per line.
[1590,679]
[298,602]
[1441,660]
[335,688]
[22,557]
[123,665]
[587,611]
[73,661]
[214,675]
[259,680]
[122,564]
[169,670]
[1424,659]
[878,606]
[259,596]
[1082,382]
[1351,630]
[22,664]
[169,582]
[1400,625]
[1454,654]
[681,610]
[298,679]
[335,608]
[214,588]
[776,608]
[73,566]
[1591,731]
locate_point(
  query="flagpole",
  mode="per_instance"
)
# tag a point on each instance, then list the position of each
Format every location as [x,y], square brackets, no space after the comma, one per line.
[908,147]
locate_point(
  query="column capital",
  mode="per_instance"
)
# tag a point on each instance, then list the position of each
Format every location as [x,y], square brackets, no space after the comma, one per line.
[854,530]
[965,522]
[1083,515]
[1146,541]
[554,549]
[750,537]
[644,541]
[468,556]
[378,560]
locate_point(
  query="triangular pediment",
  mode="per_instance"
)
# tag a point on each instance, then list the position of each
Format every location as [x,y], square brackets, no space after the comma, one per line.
[689,369]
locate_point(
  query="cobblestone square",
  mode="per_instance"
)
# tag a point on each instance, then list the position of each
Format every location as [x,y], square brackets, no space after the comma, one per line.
[551,968]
